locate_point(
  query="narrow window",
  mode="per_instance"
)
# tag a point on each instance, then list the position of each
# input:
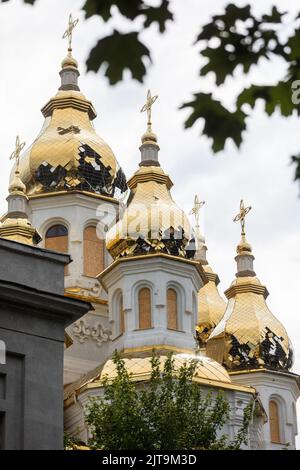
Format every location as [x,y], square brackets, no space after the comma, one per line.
[274,422]
[172,313]
[93,252]
[144,308]
[57,239]
[121,315]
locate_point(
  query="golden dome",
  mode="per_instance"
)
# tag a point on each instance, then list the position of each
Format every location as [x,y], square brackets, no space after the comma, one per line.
[249,336]
[16,185]
[69,62]
[211,307]
[140,369]
[152,222]
[19,230]
[68,154]
[14,224]
[244,247]
[207,372]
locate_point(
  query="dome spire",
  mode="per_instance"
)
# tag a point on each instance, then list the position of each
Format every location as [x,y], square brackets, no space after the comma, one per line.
[69,72]
[249,336]
[17,186]
[244,258]
[15,224]
[149,148]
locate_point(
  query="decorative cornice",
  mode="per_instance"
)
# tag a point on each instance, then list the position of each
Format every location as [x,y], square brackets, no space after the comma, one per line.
[75,293]
[244,288]
[69,101]
[118,261]
[160,348]
[212,277]
[72,192]
[150,176]
[84,331]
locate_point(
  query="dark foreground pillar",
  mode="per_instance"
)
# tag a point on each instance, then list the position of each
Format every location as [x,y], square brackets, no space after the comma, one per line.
[33,316]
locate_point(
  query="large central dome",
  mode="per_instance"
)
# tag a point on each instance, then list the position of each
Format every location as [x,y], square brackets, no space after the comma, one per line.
[68,154]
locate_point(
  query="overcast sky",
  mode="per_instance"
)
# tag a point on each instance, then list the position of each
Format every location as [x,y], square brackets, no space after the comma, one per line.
[31,50]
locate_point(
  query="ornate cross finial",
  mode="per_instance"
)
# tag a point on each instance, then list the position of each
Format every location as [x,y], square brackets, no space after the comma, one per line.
[241,216]
[16,153]
[69,31]
[147,107]
[196,211]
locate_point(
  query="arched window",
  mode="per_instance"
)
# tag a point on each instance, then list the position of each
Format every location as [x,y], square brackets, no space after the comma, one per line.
[172,309]
[274,420]
[57,239]
[144,308]
[93,252]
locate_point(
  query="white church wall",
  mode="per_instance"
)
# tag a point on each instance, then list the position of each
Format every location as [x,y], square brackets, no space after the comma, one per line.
[90,334]
[283,388]
[128,276]
[76,410]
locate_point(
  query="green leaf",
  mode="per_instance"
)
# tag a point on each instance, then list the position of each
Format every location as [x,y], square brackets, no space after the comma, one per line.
[220,124]
[243,40]
[119,52]
[31,2]
[296,160]
[129,9]
[274,17]
[275,97]
[160,15]
[234,13]
[225,22]
[293,44]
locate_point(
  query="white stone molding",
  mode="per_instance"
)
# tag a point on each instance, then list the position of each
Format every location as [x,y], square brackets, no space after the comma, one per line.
[85,331]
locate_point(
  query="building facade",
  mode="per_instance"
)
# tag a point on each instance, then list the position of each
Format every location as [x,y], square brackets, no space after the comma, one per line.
[143,269]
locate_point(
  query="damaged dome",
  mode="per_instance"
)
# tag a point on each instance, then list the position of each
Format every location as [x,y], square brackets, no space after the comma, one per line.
[68,154]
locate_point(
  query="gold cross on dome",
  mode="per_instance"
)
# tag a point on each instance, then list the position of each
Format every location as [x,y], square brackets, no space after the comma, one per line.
[241,216]
[16,153]
[69,31]
[196,210]
[148,107]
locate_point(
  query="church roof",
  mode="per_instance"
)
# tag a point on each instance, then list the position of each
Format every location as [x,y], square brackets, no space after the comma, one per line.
[211,306]
[208,372]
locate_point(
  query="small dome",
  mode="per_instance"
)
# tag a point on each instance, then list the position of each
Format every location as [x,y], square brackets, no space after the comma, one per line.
[69,61]
[16,184]
[140,367]
[19,230]
[243,247]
